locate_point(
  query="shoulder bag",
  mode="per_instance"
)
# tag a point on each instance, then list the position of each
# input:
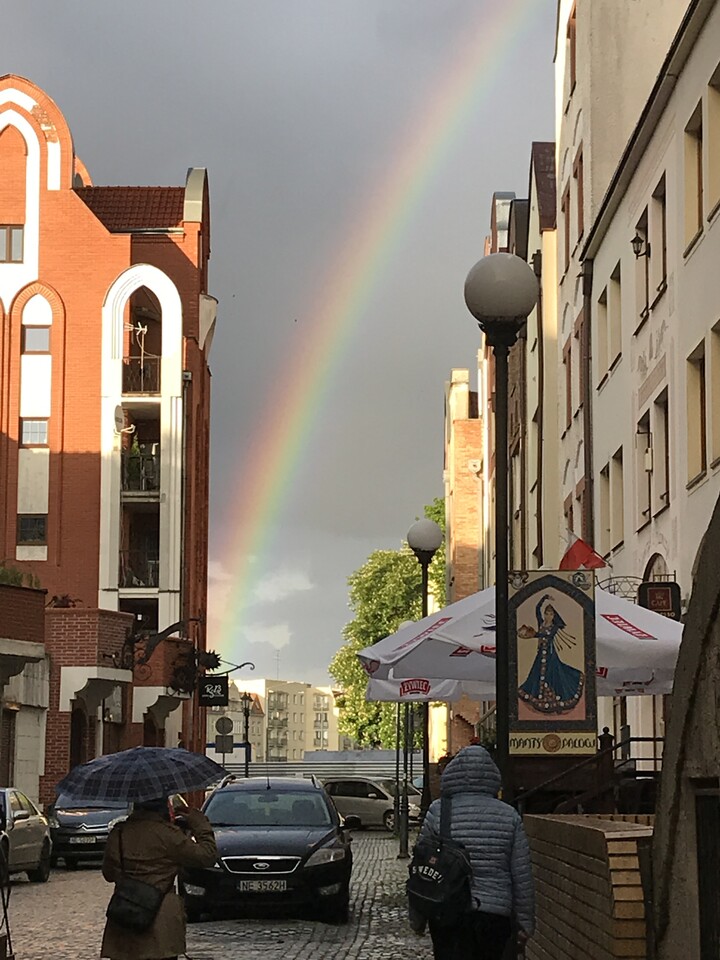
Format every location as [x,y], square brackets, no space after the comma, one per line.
[134,903]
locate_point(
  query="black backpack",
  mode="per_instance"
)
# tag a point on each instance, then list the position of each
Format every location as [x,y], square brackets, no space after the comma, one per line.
[438,887]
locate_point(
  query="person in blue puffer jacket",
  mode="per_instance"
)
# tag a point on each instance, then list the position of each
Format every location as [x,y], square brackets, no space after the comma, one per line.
[491,831]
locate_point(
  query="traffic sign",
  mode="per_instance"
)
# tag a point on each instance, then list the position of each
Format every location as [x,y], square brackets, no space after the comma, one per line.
[224,743]
[224,725]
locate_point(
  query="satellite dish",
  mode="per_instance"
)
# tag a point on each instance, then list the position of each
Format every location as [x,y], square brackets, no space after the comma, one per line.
[119,419]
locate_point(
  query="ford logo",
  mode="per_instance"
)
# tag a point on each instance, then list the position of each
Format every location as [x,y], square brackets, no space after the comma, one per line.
[261,865]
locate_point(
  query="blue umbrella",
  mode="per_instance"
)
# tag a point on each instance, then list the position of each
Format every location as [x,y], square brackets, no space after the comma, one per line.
[142,773]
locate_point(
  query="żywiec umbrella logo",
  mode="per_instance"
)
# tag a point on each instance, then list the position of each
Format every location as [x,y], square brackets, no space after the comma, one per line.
[410,687]
[371,666]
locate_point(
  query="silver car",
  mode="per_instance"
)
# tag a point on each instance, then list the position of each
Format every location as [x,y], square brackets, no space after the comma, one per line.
[371,800]
[25,843]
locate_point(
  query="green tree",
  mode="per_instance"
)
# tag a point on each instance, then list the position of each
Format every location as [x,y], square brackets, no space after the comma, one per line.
[384,592]
[14,577]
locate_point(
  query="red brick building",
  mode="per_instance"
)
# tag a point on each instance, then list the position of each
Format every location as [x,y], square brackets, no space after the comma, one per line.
[105,329]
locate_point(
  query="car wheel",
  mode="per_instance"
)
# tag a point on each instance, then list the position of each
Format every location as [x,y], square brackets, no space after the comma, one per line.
[71,863]
[41,874]
[389,820]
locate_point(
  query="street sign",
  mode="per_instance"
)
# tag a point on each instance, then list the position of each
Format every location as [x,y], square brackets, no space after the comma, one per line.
[213,691]
[224,725]
[224,743]
[662,597]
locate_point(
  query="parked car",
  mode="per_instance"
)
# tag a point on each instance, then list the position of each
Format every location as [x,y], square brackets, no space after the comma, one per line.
[80,828]
[281,842]
[25,840]
[372,801]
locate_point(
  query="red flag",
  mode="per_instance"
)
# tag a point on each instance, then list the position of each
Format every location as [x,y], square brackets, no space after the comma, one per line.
[580,554]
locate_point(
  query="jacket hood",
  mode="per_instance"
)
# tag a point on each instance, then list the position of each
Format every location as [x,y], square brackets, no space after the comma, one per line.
[472,771]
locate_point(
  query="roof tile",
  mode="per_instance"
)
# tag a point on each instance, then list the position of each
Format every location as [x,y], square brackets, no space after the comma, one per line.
[124,209]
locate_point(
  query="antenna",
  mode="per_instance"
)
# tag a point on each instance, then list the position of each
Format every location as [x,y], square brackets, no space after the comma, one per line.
[277,664]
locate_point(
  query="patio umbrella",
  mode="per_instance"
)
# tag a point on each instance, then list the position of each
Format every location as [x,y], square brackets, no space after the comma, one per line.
[142,773]
[636,649]
[422,690]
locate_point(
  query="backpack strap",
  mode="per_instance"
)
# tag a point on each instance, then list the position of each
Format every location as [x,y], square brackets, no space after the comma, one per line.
[445,814]
[120,845]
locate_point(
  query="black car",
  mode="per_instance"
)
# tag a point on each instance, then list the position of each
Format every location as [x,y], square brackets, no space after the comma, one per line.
[80,829]
[280,842]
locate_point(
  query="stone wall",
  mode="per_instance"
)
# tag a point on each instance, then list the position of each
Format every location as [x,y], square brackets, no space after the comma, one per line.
[590,901]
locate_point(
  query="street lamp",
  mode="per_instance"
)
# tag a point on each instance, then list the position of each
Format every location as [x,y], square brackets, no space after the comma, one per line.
[500,291]
[247,702]
[424,538]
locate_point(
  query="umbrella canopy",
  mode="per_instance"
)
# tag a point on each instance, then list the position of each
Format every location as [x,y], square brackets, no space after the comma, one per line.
[142,773]
[636,649]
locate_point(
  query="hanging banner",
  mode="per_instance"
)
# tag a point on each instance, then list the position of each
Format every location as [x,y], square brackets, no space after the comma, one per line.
[553,709]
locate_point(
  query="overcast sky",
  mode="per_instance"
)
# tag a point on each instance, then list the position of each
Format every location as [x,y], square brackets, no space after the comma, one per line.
[300,109]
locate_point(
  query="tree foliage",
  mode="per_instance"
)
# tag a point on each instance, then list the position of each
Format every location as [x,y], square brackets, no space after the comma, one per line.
[384,592]
[14,577]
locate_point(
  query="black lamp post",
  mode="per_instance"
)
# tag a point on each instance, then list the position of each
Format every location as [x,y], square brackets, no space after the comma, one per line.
[500,291]
[424,538]
[247,703]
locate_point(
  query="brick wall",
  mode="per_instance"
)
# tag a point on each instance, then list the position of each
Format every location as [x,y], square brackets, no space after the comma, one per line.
[590,901]
[159,670]
[78,637]
[22,613]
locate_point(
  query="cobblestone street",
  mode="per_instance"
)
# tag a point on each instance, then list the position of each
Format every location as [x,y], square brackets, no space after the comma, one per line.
[63,919]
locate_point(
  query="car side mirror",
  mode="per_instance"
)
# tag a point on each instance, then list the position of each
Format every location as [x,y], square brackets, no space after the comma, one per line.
[21,815]
[351,823]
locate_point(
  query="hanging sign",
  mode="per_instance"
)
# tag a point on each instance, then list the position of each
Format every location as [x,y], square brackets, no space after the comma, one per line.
[663,598]
[213,691]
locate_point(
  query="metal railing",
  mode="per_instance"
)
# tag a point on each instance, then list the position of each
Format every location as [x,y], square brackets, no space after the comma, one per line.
[609,775]
[141,469]
[139,568]
[141,374]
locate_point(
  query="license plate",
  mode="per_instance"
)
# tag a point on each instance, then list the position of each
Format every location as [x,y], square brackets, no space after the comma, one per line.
[82,839]
[262,886]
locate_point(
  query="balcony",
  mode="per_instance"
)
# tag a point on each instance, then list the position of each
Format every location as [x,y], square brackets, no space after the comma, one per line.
[141,469]
[141,374]
[139,569]
[277,722]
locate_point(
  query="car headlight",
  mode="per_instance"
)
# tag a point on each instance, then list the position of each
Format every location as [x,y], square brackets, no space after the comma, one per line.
[117,820]
[53,822]
[326,855]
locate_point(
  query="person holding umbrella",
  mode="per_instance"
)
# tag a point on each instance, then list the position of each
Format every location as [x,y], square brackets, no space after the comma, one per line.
[146,919]
[151,848]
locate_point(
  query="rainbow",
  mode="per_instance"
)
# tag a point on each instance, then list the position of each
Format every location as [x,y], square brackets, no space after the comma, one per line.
[267,468]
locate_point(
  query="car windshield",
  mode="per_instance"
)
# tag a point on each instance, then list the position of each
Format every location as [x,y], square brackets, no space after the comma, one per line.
[389,787]
[65,802]
[267,808]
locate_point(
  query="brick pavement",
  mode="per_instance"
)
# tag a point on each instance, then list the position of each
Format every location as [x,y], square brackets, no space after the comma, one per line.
[63,920]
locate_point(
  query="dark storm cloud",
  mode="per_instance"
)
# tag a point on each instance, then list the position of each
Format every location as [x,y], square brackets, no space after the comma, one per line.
[298,109]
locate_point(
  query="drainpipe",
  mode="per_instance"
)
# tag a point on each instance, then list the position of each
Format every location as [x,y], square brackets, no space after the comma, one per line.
[537,269]
[586,360]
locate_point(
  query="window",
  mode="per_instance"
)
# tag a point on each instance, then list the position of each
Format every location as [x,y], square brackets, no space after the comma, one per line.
[614,317]
[35,339]
[568,513]
[565,210]
[643,469]
[696,413]
[579,192]
[694,176]
[642,269]
[713,139]
[604,503]
[617,500]
[33,433]
[11,243]
[31,530]
[601,345]
[661,453]
[658,239]
[572,49]
[567,363]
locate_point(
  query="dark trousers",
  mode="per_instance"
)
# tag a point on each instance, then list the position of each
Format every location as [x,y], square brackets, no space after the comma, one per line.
[479,936]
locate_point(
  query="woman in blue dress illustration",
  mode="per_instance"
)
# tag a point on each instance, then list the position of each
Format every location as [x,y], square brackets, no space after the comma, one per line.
[551,686]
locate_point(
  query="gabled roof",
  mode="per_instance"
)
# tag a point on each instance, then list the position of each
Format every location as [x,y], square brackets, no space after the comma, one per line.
[542,159]
[124,209]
